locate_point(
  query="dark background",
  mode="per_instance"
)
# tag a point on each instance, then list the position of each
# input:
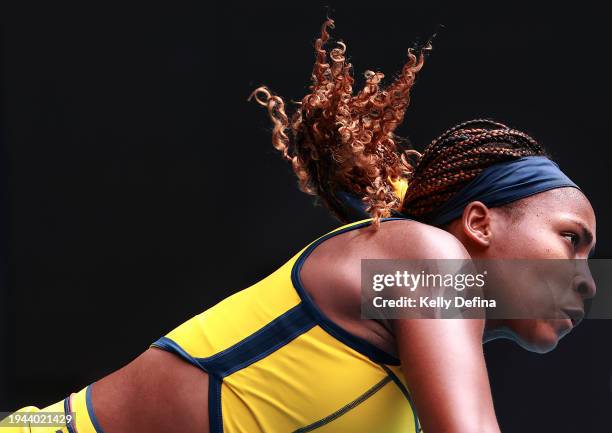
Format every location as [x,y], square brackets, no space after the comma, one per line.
[142,187]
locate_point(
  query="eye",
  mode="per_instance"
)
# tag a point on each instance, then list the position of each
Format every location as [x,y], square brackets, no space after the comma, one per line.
[572,237]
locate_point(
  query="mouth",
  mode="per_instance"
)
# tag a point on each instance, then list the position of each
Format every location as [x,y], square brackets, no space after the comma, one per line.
[575,316]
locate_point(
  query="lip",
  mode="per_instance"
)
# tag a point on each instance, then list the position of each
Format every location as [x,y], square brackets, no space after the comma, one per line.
[575,316]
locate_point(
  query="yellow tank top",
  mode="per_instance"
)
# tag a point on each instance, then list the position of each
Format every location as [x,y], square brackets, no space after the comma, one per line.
[276,363]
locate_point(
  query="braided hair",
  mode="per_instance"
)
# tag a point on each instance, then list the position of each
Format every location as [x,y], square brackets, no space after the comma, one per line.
[457,156]
[337,141]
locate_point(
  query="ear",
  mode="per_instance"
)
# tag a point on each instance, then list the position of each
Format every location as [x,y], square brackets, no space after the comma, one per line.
[476,223]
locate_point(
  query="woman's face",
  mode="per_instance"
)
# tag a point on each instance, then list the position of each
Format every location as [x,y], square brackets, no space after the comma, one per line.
[555,224]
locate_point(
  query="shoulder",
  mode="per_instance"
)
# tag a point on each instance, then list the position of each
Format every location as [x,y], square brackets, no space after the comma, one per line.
[414,240]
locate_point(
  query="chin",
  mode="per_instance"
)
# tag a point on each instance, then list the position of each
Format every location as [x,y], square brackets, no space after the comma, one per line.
[541,345]
[544,337]
[539,337]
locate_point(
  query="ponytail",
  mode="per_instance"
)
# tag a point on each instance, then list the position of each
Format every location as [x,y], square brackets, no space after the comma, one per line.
[341,145]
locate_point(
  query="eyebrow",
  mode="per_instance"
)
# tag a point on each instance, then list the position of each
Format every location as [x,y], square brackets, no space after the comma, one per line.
[586,234]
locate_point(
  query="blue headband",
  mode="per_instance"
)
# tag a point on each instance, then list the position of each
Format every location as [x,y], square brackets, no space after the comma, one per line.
[503,183]
[497,185]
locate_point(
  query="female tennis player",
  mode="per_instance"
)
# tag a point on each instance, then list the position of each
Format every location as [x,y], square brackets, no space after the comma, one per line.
[291,353]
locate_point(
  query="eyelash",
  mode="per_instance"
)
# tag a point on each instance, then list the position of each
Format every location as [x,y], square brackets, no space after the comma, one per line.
[574,238]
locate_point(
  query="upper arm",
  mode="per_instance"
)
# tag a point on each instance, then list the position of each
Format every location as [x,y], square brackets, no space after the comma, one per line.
[443,360]
[157,392]
[444,367]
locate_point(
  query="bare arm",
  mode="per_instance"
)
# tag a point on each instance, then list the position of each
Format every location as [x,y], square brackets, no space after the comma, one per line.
[157,392]
[443,362]
[444,366]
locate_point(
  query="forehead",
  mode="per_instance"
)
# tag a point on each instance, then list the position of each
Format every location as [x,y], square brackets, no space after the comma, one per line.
[569,202]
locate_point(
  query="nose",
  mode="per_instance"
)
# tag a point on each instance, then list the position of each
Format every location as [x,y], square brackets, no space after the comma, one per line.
[584,282]
[587,289]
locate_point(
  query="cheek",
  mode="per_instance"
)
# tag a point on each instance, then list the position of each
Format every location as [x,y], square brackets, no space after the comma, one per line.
[546,244]
[514,241]
[529,239]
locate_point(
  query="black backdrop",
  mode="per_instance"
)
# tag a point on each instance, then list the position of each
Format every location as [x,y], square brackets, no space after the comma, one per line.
[142,187]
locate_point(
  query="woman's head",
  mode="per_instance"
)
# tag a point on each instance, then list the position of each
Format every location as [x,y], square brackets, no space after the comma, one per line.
[552,233]
[342,145]
[556,222]
[487,159]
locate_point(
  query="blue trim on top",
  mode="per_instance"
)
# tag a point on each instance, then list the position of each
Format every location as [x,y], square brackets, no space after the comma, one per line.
[256,346]
[215,417]
[90,410]
[357,343]
[260,344]
[67,411]
[169,345]
[404,390]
